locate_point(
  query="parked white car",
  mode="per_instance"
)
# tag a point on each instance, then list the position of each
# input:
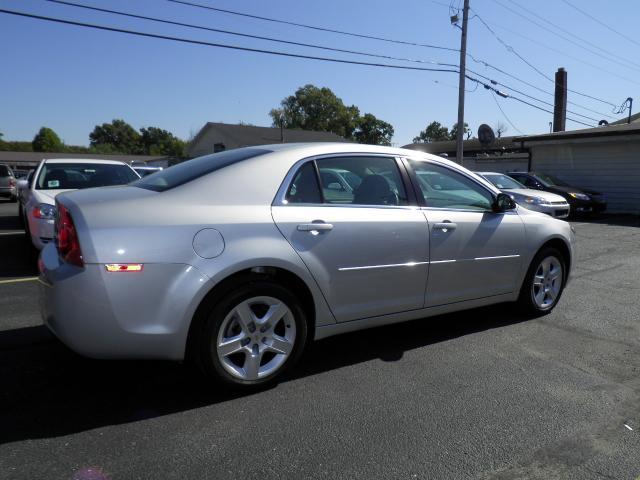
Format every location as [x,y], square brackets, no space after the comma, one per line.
[52,177]
[538,200]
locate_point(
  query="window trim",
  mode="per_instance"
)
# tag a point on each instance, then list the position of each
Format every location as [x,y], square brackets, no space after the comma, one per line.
[420,196]
[281,196]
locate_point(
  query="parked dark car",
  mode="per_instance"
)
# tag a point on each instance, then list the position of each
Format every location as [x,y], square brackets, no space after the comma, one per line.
[7,183]
[581,200]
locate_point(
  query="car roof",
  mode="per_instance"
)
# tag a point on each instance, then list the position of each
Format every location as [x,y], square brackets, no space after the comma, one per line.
[84,160]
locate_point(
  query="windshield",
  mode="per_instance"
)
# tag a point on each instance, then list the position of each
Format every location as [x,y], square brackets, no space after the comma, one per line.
[503,182]
[75,176]
[191,169]
[549,181]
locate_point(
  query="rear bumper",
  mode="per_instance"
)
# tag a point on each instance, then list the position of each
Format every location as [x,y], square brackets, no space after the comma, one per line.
[120,315]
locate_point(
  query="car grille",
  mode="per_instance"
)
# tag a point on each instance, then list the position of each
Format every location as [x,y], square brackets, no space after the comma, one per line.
[563,202]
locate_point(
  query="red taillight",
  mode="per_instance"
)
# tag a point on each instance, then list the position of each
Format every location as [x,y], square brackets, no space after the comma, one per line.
[67,238]
[12,182]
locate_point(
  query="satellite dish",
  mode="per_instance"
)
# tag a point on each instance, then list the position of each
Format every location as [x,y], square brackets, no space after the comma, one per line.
[485,134]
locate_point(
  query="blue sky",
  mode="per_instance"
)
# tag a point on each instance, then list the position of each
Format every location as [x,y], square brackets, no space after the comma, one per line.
[70,79]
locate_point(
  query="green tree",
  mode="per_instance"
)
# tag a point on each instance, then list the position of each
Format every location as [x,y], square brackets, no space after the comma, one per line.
[117,137]
[46,140]
[435,132]
[454,131]
[373,131]
[313,108]
[156,141]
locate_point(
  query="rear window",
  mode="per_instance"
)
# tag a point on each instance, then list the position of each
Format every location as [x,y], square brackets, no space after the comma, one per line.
[192,169]
[75,176]
[4,171]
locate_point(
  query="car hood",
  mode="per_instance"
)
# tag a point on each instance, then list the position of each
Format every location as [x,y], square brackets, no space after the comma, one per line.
[561,189]
[530,192]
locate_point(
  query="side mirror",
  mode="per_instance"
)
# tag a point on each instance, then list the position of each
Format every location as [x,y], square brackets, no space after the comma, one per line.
[503,203]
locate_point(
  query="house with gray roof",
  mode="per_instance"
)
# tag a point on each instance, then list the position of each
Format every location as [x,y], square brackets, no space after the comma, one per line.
[216,137]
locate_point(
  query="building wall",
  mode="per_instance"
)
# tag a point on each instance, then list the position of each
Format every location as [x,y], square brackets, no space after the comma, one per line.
[611,167]
[506,163]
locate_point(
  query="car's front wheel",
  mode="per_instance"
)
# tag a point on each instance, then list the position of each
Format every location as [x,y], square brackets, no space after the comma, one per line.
[253,335]
[544,282]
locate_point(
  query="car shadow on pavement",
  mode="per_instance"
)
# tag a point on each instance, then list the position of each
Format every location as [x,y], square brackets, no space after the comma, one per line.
[18,258]
[49,391]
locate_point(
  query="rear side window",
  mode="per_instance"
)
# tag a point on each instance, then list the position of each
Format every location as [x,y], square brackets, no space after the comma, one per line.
[360,180]
[304,188]
[192,169]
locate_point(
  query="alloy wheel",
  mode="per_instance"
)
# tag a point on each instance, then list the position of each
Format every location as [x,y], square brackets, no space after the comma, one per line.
[547,283]
[256,338]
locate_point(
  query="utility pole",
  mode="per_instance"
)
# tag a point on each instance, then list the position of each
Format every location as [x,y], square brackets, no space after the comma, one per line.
[461,82]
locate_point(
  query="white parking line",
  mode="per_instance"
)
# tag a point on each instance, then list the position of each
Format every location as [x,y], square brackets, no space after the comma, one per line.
[19,280]
[15,232]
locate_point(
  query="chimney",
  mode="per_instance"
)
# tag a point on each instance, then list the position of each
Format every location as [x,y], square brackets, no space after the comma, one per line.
[560,103]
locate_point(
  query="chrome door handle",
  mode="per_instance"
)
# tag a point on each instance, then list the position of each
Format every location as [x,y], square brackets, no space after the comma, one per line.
[317,227]
[445,226]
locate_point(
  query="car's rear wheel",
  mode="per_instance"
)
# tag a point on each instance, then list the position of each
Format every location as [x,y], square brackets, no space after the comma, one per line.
[544,283]
[253,335]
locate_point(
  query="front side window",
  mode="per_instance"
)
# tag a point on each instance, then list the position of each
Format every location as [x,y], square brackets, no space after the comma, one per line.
[74,176]
[446,188]
[361,180]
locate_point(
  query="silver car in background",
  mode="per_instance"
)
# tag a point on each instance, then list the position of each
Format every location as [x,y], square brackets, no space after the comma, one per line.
[56,176]
[239,259]
[540,201]
[8,182]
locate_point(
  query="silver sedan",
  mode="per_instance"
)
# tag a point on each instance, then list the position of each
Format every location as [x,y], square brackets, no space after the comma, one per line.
[239,259]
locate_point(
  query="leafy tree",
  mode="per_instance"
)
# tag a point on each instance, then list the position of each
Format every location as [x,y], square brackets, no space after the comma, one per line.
[500,128]
[435,132]
[117,136]
[156,141]
[313,108]
[454,131]
[373,131]
[46,140]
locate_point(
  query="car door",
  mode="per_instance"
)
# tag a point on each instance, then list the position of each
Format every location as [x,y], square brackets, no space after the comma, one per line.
[474,251]
[368,249]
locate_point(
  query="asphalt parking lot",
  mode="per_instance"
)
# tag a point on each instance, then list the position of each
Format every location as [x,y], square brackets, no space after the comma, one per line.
[481,394]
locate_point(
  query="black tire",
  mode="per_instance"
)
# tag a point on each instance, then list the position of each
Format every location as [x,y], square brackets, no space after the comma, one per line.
[204,344]
[526,302]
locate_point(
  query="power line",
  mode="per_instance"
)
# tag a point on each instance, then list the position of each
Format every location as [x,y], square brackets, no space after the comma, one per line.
[493,95]
[505,95]
[154,19]
[312,27]
[246,35]
[534,41]
[608,58]
[221,45]
[530,85]
[597,20]
[269,52]
[512,50]
[495,82]
[625,60]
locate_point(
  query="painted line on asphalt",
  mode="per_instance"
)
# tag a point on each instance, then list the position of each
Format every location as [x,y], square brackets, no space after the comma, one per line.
[14,232]
[19,280]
